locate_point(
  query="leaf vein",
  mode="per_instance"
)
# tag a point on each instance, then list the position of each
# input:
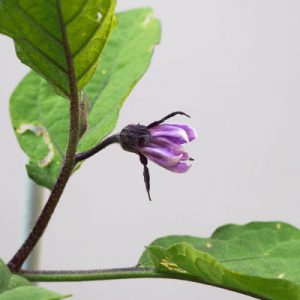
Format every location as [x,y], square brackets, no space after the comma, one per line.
[78,13]
[33,20]
[45,55]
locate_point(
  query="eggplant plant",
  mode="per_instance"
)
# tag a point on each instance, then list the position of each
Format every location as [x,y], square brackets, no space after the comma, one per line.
[85,60]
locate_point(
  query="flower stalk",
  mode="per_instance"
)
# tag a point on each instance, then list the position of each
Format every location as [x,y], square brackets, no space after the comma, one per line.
[103,144]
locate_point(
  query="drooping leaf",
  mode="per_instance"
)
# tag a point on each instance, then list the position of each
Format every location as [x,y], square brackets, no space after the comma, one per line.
[259,259]
[14,287]
[38,28]
[40,117]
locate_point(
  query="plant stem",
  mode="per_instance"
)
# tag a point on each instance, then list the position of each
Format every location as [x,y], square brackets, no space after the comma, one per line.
[121,273]
[17,261]
[103,144]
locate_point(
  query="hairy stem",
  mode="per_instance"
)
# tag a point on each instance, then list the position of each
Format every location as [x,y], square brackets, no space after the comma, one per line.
[120,273]
[89,275]
[65,173]
[106,142]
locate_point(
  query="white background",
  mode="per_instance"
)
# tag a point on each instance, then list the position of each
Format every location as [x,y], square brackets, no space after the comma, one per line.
[234,65]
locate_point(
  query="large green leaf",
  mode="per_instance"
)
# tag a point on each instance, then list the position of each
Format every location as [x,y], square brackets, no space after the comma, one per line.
[124,61]
[259,259]
[38,27]
[14,287]
[40,117]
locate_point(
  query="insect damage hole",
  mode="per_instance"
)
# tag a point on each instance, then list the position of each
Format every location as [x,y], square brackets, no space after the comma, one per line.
[39,131]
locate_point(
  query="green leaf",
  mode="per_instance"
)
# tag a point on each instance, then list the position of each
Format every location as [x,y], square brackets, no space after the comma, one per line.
[17,281]
[124,61]
[32,293]
[40,117]
[15,287]
[4,277]
[41,121]
[38,27]
[258,259]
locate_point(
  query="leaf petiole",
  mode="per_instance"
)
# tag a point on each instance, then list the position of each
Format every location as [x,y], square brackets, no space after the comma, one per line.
[114,274]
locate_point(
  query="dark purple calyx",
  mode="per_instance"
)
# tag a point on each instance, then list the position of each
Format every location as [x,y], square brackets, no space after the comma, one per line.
[132,137]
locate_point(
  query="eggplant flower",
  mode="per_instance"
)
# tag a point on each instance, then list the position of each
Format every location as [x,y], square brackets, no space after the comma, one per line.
[161,143]
[165,146]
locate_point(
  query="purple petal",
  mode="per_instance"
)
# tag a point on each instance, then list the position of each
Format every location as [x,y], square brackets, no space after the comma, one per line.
[179,150]
[165,146]
[161,156]
[162,142]
[174,133]
[170,148]
[181,167]
[191,133]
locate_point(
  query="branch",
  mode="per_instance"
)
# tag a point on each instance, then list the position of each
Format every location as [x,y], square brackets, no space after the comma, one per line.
[120,273]
[68,165]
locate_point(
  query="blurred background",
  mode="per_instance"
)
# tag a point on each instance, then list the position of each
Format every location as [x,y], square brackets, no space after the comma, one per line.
[233,65]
